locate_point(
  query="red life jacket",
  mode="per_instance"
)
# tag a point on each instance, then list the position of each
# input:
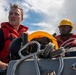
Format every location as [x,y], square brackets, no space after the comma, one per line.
[61,41]
[8,33]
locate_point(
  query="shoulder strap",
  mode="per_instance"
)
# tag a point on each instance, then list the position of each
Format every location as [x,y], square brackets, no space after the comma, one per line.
[10,38]
[1,39]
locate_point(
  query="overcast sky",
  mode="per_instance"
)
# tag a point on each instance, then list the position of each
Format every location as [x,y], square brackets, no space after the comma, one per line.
[42,14]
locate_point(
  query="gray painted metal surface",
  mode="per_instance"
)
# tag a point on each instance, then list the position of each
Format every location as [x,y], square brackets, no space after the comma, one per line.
[27,67]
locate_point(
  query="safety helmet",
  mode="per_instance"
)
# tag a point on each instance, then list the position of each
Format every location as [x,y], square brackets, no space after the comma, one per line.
[66,22]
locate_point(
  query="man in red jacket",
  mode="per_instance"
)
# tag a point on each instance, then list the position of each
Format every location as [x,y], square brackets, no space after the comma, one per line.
[11,30]
[66,38]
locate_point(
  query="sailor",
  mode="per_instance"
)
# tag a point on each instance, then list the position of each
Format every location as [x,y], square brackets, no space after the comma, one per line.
[66,38]
[9,31]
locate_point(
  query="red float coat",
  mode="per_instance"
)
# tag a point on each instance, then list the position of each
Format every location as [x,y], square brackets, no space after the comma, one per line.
[8,32]
[61,41]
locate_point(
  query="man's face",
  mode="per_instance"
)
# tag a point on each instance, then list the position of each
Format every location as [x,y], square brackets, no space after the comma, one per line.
[15,17]
[64,30]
